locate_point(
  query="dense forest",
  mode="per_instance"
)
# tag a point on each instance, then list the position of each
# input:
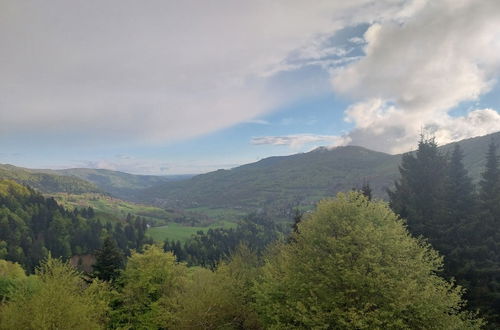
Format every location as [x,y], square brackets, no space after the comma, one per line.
[256,231]
[350,264]
[32,227]
[427,259]
[437,198]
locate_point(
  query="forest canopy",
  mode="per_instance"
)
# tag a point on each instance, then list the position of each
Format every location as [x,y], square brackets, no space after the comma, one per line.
[350,263]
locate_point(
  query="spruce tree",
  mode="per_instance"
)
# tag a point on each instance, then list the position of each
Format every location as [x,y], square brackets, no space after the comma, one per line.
[366,190]
[419,194]
[460,209]
[490,184]
[484,263]
[109,261]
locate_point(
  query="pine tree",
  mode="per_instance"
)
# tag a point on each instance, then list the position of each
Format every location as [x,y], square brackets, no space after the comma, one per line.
[109,261]
[418,196]
[366,190]
[484,260]
[460,207]
[490,183]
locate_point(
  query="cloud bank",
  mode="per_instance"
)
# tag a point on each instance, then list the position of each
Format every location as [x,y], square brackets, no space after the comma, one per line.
[299,140]
[162,71]
[417,69]
[155,71]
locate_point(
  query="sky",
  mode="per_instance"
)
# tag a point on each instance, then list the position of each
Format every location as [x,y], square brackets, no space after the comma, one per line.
[174,87]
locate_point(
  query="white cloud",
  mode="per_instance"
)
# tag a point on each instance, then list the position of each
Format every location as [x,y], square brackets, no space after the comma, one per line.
[156,70]
[299,140]
[160,71]
[416,69]
[150,166]
[257,121]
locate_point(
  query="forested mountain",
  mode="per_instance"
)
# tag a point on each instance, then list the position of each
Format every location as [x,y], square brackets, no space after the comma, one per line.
[274,181]
[32,226]
[302,178]
[84,180]
[119,184]
[47,182]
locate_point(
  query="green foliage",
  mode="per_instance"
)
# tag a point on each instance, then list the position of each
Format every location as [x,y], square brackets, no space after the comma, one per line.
[354,265]
[119,184]
[208,249]
[150,281]
[437,198]
[109,261]
[490,184]
[113,207]
[31,226]
[419,195]
[221,299]
[46,182]
[12,276]
[182,232]
[60,300]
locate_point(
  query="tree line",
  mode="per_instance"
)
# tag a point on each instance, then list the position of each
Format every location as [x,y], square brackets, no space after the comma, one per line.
[350,264]
[33,226]
[459,219]
[256,231]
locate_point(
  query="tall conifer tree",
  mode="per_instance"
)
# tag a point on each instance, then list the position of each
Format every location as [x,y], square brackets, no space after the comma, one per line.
[419,194]
[484,269]
[109,261]
[490,183]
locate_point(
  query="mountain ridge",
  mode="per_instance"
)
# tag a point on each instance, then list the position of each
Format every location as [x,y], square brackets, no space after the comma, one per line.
[276,181]
[301,178]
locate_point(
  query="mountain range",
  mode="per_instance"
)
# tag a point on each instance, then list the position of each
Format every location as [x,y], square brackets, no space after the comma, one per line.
[301,178]
[273,182]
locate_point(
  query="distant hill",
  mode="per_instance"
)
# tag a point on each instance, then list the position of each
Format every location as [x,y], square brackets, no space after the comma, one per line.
[474,152]
[85,180]
[277,181]
[299,179]
[119,184]
[47,182]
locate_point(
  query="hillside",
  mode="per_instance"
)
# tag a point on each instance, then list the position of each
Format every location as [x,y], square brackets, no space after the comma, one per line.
[278,181]
[119,184]
[32,226]
[474,152]
[84,180]
[114,208]
[304,178]
[47,182]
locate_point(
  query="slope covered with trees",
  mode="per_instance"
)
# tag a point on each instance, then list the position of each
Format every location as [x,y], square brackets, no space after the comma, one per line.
[119,184]
[350,264]
[437,198]
[278,183]
[32,226]
[47,182]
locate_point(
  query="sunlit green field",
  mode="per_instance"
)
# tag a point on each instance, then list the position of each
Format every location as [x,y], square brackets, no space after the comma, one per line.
[113,206]
[175,231]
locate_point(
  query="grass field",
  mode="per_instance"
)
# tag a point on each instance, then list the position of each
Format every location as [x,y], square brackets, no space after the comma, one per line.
[175,231]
